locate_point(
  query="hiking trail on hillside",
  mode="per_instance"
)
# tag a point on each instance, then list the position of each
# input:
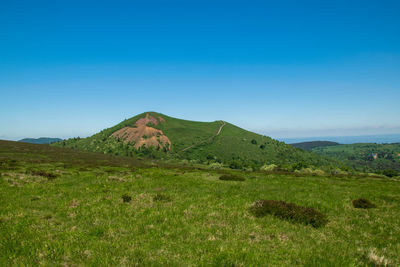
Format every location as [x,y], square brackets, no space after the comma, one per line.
[207,140]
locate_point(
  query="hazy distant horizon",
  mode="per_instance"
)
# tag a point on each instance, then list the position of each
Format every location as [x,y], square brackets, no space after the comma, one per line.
[379,139]
[345,139]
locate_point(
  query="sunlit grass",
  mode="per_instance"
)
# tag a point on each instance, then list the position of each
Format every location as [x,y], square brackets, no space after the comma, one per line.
[185,217]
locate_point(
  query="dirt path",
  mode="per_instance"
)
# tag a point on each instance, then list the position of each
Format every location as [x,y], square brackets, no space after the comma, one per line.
[220,128]
[209,139]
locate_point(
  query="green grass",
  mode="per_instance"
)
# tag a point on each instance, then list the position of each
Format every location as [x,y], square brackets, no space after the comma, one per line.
[182,216]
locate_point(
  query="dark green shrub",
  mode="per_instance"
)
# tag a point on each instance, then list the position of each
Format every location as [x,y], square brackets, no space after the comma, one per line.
[299,166]
[231,177]
[289,211]
[254,142]
[42,173]
[126,198]
[390,173]
[210,157]
[235,165]
[363,203]
[162,197]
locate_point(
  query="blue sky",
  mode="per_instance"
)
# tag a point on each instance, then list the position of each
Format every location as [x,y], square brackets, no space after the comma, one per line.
[281,68]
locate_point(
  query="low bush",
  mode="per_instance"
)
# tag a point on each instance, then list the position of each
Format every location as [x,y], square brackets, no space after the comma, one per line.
[162,197]
[289,211]
[390,173]
[231,177]
[363,203]
[338,172]
[48,175]
[216,166]
[269,167]
[35,198]
[311,171]
[126,198]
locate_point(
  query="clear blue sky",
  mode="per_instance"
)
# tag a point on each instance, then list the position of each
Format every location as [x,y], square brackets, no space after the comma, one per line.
[281,68]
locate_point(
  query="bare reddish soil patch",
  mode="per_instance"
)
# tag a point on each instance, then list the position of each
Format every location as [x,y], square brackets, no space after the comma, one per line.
[161,119]
[146,120]
[144,135]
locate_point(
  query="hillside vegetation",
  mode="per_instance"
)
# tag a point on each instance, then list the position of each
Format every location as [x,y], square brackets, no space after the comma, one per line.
[366,157]
[313,144]
[63,207]
[215,143]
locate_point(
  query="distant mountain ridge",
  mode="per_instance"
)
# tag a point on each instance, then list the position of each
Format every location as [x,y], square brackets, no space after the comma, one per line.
[41,140]
[378,138]
[156,135]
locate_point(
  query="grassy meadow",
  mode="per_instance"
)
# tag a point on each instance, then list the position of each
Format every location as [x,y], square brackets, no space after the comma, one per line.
[61,207]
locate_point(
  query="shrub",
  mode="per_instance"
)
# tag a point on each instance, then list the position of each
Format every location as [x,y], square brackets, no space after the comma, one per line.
[311,171]
[231,177]
[390,173]
[337,171]
[363,203]
[126,198]
[270,167]
[299,166]
[216,165]
[236,165]
[254,142]
[48,175]
[289,211]
[162,197]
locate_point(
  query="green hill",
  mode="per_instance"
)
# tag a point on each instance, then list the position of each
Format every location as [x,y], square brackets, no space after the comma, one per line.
[41,140]
[313,144]
[156,135]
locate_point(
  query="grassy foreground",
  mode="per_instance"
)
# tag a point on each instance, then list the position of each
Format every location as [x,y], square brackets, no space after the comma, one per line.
[62,207]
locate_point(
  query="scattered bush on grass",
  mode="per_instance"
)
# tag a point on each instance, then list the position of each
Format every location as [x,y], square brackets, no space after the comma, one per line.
[289,211]
[311,171]
[390,173]
[42,173]
[231,177]
[162,197]
[216,166]
[363,203]
[269,167]
[126,198]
